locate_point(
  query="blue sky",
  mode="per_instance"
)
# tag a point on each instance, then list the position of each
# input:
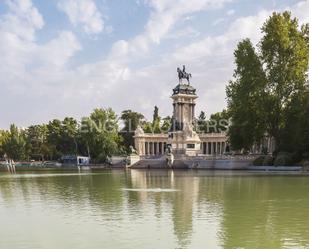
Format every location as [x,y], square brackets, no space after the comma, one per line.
[66,57]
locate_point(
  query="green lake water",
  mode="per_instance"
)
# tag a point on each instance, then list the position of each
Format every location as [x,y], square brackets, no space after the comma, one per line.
[154,209]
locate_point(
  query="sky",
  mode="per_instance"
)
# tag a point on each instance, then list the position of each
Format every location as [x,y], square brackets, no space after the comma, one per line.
[63,58]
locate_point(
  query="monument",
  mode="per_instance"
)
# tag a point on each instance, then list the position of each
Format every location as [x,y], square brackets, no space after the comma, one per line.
[182,138]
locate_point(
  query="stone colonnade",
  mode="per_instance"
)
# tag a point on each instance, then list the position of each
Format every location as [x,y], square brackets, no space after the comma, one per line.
[148,144]
[154,147]
[214,143]
[213,148]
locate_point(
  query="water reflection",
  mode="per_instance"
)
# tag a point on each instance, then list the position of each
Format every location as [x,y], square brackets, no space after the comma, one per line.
[151,209]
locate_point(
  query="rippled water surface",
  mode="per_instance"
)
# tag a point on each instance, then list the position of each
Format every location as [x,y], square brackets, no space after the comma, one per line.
[154,209]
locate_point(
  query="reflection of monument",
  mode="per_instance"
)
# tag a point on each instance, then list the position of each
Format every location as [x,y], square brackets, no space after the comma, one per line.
[176,205]
[182,137]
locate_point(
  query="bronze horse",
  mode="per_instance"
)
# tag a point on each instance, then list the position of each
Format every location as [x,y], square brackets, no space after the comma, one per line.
[182,74]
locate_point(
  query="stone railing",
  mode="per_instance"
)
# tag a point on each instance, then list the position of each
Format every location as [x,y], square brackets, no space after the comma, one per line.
[217,157]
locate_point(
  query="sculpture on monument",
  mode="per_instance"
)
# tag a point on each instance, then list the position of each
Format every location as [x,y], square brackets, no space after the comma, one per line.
[182,74]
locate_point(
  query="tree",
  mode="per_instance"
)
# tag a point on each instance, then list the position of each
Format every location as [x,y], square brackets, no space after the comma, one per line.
[15,144]
[285,56]
[295,133]
[201,122]
[267,94]
[156,120]
[202,116]
[245,98]
[167,124]
[218,122]
[154,126]
[68,136]
[54,139]
[3,137]
[99,134]
[131,120]
[36,142]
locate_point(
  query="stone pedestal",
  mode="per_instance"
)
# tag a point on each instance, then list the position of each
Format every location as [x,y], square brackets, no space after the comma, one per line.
[182,138]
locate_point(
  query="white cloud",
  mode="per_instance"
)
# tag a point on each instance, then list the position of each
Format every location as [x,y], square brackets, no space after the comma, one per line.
[85,13]
[43,84]
[301,10]
[31,69]
[165,14]
[22,20]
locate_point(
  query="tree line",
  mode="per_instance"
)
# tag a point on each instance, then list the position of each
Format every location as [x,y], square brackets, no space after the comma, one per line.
[100,135]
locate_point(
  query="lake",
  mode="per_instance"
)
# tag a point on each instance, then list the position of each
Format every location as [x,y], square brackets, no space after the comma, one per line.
[156,209]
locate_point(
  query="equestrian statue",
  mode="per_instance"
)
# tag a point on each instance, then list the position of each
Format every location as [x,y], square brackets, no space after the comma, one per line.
[182,74]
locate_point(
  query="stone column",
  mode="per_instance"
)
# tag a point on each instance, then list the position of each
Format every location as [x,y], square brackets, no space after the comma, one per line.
[143,148]
[162,144]
[181,113]
[193,111]
[158,152]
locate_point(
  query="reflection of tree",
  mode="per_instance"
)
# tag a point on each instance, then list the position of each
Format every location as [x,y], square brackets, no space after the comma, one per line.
[81,192]
[265,212]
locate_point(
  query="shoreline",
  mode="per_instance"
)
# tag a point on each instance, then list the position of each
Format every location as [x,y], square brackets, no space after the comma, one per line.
[104,168]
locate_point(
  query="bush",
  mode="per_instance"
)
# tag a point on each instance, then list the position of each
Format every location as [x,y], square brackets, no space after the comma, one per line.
[263,161]
[284,159]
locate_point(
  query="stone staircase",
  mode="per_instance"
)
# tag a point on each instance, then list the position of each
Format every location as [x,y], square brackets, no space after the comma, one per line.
[147,163]
[158,163]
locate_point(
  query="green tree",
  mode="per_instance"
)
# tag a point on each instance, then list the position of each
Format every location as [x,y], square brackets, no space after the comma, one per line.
[154,126]
[3,137]
[295,133]
[167,123]
[15,144]
[54,139]
[156,120]
[267,94]
[99,134]
[285,55]
[219,122]
[69,130]
[201,122]
[36,142]
[131,120]
[245,98]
